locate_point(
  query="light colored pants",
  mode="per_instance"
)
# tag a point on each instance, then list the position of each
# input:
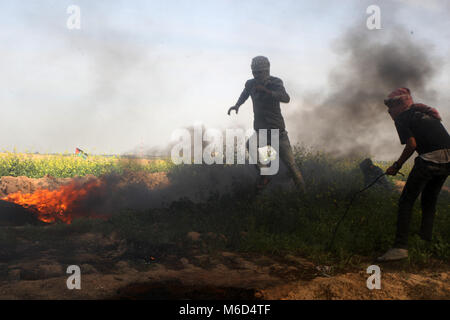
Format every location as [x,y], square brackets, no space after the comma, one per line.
[286,155]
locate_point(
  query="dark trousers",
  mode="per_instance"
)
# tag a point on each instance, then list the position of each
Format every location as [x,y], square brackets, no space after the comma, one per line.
[286,155]
[426,178]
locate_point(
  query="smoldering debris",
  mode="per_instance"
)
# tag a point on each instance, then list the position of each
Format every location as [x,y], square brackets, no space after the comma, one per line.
[373,173]
[14,215]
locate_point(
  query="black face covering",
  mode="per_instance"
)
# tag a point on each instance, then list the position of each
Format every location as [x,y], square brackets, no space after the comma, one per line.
[261,76]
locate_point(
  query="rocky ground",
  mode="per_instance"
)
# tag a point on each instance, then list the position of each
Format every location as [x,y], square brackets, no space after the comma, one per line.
[110,270]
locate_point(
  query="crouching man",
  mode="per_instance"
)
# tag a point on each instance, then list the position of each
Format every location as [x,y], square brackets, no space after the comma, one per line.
[420,128]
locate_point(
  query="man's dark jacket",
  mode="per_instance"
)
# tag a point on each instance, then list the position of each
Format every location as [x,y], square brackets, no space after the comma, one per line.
[266,107]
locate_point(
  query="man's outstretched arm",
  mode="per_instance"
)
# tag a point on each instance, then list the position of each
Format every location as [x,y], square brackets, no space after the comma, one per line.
[410,147]
[242,98]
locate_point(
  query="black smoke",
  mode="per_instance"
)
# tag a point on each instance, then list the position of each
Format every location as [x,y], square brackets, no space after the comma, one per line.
[351,118]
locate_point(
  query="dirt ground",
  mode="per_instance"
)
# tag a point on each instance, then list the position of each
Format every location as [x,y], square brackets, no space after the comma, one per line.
[110,268]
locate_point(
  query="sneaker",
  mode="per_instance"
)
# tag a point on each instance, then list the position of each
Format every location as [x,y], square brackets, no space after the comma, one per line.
[394,254]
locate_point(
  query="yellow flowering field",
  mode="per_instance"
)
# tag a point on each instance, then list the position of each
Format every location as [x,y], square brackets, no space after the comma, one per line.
[70,165]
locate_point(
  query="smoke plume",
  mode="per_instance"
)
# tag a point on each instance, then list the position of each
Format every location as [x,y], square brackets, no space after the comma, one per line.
[351,118]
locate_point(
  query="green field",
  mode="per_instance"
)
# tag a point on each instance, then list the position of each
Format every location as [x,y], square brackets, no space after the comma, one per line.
[69,165]
[278,222]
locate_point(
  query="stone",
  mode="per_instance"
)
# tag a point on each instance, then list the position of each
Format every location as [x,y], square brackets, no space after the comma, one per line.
[193,236]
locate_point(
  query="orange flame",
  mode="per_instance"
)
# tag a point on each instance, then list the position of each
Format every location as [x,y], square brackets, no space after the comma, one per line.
[53,205]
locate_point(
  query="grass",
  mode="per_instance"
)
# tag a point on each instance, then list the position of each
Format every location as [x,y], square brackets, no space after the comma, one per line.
[68,165]
[279,222]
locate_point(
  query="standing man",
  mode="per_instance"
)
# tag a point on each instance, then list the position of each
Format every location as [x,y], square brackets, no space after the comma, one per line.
[420,128]
[267,92]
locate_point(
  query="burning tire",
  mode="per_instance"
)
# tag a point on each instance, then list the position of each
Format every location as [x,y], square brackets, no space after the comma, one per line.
[12,214]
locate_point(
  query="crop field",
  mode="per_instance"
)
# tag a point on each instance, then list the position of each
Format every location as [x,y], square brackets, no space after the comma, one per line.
[69,165]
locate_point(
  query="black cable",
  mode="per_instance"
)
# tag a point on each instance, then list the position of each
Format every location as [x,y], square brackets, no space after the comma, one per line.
[349,206]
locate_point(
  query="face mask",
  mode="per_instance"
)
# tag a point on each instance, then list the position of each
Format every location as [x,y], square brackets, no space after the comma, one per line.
[261,76]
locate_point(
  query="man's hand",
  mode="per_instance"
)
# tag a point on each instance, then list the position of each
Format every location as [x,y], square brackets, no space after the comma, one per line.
[392,171]
[260,87]
[410,147]
[233,108]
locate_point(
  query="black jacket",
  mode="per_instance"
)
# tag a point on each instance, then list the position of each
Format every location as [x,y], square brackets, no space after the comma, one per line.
[266,107]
